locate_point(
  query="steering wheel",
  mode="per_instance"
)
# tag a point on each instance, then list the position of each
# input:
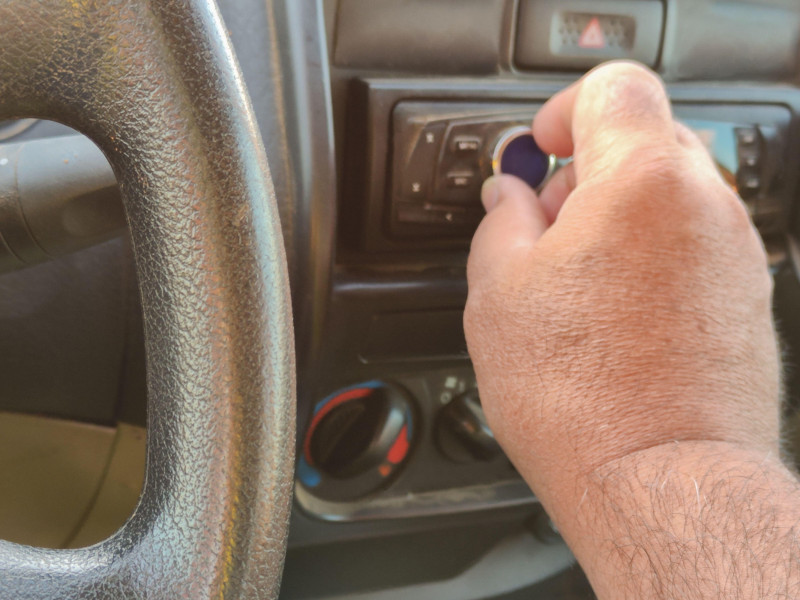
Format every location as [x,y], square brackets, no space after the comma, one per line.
[155,85]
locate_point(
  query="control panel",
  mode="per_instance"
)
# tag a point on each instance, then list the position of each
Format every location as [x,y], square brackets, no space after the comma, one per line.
[420,185]
[748,156]
[413,446]
[411,438]
[443,153]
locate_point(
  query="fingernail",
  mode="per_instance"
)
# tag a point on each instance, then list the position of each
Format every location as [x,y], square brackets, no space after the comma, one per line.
[490,193]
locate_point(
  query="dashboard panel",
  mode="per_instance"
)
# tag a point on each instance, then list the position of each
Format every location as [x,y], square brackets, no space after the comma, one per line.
[408,83]
[404,164]
[396,325]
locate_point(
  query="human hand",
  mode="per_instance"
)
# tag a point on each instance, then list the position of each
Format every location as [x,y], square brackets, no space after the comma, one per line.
[629,305]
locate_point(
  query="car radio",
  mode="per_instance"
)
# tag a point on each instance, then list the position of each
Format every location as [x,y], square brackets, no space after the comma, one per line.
[443,152]
[417,184]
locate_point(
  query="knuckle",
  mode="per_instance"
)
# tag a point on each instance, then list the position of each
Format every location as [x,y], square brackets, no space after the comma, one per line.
[625,69]
[642,170]
[630,77]
[657,167]
[626,86]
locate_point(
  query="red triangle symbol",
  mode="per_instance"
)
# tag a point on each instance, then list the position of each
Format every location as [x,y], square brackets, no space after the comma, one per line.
[592,36]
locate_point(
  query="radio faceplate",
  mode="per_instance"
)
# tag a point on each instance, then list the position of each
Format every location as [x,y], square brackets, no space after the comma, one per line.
[424,154]
[748,144]
[442,153]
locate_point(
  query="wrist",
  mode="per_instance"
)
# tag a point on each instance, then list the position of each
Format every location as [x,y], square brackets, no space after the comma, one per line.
[677,520]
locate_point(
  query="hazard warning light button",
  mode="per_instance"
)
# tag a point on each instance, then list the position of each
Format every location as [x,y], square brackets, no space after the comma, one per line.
[593,35]
[579,34]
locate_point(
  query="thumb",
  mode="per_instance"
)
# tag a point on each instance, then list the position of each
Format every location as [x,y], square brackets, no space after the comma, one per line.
[514,223]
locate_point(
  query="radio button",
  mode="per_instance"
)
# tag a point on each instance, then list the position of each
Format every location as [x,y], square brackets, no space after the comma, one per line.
[748,183]
[466,145]
[748,157]
[428,214]
[418,173]
[461,180]
[747,136]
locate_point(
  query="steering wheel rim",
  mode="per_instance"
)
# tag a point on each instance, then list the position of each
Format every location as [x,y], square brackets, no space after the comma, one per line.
[155,85]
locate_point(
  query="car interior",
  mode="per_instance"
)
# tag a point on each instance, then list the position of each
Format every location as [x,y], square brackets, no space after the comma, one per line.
[379,119]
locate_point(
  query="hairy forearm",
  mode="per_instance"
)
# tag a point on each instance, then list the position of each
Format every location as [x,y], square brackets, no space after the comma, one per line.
[689,520]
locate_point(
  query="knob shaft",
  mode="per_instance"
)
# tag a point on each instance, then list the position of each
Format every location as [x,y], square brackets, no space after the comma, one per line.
[462,431]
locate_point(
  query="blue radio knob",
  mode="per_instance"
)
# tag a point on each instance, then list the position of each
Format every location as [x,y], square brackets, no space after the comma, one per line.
[516,153]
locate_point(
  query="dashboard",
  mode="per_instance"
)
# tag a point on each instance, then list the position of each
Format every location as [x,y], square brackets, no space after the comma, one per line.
[381,119]
[421,95]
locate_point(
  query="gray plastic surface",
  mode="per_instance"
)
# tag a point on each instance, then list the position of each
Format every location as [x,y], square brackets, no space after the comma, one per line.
[440,36]
[732,39]
[516,562]
[56,196]
[62,334]
[540,28]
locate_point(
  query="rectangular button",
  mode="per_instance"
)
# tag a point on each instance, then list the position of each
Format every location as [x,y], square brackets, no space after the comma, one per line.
[461,180]
[425,215]
[748,157]
[415,214]
[748,182]
[466,144]
[747,136]
[579,34]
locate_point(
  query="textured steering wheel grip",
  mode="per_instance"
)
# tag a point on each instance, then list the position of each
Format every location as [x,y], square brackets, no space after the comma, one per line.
[155,85]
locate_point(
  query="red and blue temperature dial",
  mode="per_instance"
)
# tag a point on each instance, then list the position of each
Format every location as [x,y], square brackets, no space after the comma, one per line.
[357,440]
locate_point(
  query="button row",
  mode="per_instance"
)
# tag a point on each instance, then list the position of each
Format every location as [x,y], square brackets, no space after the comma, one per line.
[748,147]
[462,167]
[439,165]
[462,157]
[459,168]
[438,192]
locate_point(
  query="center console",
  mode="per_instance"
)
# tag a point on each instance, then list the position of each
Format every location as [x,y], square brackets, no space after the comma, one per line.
[419,152]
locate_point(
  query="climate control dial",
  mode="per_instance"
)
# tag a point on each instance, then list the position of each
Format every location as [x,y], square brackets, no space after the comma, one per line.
[357,440]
